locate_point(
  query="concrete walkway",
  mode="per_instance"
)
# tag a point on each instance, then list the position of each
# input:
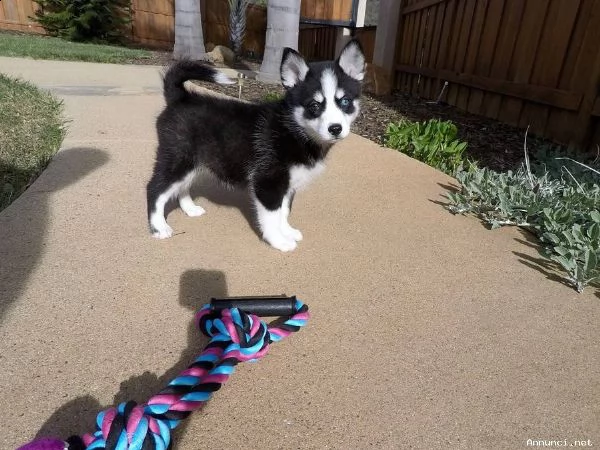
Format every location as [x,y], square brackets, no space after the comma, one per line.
[427,330]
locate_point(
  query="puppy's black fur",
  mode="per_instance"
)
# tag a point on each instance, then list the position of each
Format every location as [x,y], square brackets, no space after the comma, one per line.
[242,144]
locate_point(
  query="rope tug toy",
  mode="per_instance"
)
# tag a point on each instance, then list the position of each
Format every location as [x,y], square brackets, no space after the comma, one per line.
[236,333]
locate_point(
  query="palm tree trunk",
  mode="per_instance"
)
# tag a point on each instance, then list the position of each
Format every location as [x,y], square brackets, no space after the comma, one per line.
[283,27]
[189,40]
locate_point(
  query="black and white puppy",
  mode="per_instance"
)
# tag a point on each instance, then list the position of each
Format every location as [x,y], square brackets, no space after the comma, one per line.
[272,148]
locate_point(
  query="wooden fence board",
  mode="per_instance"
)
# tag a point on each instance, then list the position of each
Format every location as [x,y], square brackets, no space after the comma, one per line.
[473,47]
[504,52]
[596,108]
[418,49]
[531,63]
[366,37]
[427,53]
[438,46]
[576,68]
[326,10]
[452,49]
[586,126]
[16,15]
[558,98]
[462,92]
[487,49]
[524,60]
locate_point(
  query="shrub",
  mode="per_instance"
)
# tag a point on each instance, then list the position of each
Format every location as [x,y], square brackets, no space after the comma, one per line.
[433,142]
[548,199]
[85,20]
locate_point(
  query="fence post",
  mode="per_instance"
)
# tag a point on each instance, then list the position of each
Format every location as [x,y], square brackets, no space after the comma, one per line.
[585,118]
[389,24]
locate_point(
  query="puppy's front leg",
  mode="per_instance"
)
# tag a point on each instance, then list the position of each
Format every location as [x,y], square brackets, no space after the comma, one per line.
[271,212]
[286,228]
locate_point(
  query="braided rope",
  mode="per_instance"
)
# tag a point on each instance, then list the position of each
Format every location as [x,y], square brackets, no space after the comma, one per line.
[235,337]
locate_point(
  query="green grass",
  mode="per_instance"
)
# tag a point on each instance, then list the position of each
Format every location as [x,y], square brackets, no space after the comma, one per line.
[45,47]
[31,132]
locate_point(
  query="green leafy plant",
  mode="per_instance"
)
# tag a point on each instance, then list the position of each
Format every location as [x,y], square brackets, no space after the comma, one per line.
[272,96]
[85,20]
[546,198]
[434,142]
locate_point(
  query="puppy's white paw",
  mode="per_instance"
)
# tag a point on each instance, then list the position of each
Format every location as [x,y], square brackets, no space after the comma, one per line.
[281,243]
[292,233]
[163,232]
[189,207]
[194,210]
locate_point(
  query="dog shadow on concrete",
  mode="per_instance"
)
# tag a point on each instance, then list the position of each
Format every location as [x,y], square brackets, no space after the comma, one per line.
[78,416]
[207,188]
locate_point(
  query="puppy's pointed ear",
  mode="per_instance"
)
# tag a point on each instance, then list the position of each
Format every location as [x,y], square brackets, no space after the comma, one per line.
[293,68]
[352,60]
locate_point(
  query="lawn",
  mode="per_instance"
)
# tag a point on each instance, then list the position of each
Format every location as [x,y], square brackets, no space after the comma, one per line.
[31,132]
[45,47]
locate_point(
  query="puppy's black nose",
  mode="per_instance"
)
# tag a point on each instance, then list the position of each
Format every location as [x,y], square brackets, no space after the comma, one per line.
[335,129]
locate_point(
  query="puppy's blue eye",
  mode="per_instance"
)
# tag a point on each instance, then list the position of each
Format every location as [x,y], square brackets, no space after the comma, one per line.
[345,102]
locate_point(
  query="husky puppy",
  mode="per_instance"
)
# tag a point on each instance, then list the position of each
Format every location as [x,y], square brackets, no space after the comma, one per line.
[271,148]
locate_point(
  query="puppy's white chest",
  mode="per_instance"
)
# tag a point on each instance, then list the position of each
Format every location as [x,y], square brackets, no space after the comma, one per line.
[301,176]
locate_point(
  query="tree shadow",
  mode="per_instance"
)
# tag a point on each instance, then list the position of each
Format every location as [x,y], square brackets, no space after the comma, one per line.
[196,287]
[25,221]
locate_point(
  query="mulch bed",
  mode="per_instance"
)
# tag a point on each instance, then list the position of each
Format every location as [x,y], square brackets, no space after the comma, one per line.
[491,143]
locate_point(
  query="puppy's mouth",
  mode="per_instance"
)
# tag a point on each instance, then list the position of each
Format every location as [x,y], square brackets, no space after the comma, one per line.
[331,141]
[334,138]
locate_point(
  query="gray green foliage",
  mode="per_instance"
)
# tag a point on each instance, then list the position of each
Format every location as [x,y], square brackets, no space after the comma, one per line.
[558,200]
[434,142]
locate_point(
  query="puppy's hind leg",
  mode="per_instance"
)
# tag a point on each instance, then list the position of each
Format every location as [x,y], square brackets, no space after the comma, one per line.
[159,193]
[187,204]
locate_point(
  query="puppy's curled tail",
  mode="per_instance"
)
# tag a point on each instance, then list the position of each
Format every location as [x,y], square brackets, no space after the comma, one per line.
[182,71]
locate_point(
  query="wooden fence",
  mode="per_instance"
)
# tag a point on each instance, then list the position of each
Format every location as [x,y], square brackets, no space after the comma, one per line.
[15,15]
[366,37]
[153,23]
[527,63]
[329,11]
[317,42]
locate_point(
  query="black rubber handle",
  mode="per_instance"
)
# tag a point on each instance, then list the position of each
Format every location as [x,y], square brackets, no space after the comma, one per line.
[271,306]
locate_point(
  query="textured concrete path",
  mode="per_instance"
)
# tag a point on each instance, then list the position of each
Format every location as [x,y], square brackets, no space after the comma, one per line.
[428,330]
